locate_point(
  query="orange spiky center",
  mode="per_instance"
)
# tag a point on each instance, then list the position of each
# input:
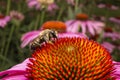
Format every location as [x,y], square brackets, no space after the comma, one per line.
[71,59]
[82,16]
[57,25]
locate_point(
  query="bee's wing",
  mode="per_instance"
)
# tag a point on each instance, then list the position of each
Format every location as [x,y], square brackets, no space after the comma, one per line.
[27,37]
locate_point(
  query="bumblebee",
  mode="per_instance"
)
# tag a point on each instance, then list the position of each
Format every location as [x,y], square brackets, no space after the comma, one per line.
[45,36]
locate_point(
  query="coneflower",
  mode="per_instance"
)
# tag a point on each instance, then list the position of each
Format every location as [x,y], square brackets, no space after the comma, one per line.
[84,24]
[4,20]
[68,58]
[71,59]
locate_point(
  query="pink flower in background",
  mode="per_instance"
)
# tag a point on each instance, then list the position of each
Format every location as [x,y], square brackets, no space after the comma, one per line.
[115,19]
[29,36]
[4,20]
[39,4]
[33,3]
[112,35]
[16,15]
[110,6]
[110,47]
[91,26]
[71,2]
[52,7]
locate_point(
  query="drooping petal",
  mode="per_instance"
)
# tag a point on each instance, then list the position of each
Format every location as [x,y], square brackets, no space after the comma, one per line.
[90,27]
[80,35]
[17,72]
[115,20]
[27,37]
[108,46]
[98,26]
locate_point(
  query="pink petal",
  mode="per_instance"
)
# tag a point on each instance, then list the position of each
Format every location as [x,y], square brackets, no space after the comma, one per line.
[73,26]
[28,34]
[115,20]
[108,46]
[90,27]
[116,73]
[98,26]
[26,38]
[17,72]
[81,35]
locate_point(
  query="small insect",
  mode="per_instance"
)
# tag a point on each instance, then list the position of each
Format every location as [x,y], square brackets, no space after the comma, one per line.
[45,36]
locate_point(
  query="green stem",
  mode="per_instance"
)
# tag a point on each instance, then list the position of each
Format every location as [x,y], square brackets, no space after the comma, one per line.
[60,13]
[42,17]
[100,37]
[76,5]
[37,21]
[3,43]
[9,40]
[8,6]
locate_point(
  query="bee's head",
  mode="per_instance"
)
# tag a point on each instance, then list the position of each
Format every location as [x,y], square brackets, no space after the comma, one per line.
[54,33]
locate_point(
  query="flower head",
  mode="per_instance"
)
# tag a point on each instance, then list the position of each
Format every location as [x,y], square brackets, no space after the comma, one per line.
[67,58]
[72,2]
[91,26]
[40,4]
[4,20]
[71,58]
[56,25]
[16,15]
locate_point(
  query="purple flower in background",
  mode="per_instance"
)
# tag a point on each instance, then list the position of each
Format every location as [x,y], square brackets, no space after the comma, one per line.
[110,47]
[112,35]
[71,2]
[39,4]
[110,6]
[91,26]
[52,7]
[4,20]
[115,19]
[16,15]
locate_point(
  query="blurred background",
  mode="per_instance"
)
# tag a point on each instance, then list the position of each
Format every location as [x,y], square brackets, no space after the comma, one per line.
[100,21]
